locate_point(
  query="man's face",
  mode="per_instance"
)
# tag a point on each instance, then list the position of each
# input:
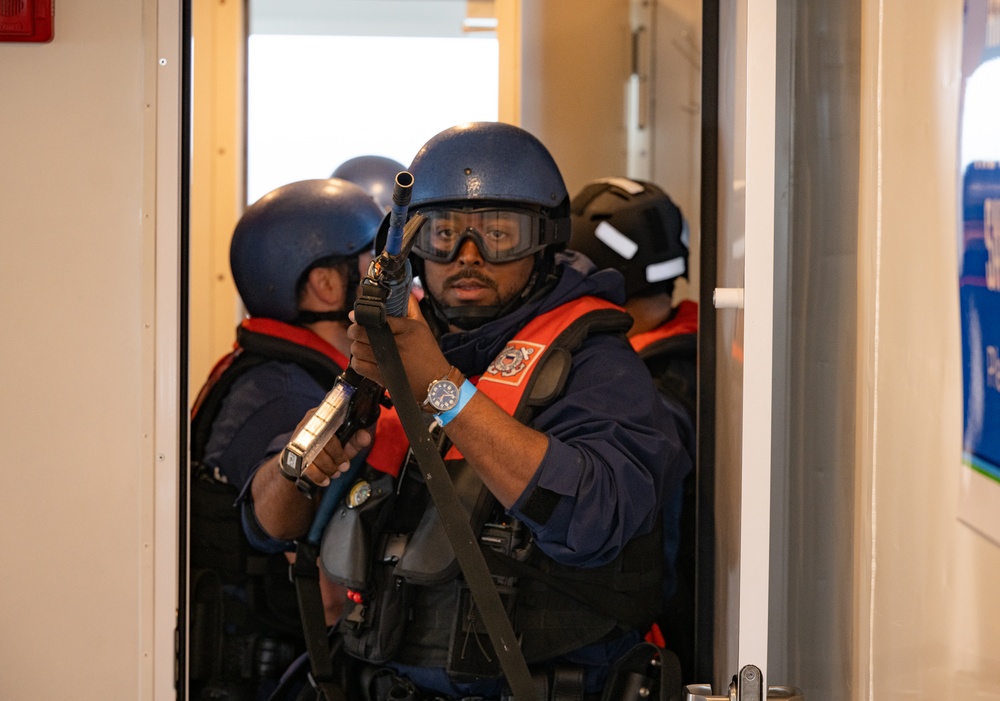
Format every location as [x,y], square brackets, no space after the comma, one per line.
[468,279]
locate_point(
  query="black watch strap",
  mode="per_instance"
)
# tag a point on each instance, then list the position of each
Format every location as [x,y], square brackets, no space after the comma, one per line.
[292,470]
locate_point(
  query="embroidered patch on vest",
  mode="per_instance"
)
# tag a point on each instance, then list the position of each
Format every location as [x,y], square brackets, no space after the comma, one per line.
[509,366]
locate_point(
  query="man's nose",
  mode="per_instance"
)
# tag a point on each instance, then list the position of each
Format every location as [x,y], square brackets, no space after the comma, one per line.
[468,253]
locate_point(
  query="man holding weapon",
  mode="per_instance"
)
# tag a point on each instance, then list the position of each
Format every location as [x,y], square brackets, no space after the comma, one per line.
[297,257]
[556,453]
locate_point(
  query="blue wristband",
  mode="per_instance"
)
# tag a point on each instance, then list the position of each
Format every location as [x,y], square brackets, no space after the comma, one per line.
[465,393]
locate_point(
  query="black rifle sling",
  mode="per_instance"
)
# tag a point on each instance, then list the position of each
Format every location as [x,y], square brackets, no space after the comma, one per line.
[371,315]
[306,575]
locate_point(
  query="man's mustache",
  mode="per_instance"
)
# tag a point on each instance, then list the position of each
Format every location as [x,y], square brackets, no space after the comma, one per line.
[470,275]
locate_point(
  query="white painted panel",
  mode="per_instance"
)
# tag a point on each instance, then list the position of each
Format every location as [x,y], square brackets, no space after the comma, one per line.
[755,496]
[744,365]
[78,309]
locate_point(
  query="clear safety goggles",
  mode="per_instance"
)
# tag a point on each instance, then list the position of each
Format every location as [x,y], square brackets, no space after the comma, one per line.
[501,235]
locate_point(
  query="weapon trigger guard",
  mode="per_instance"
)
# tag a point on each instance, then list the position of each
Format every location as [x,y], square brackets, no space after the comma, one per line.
[370,312]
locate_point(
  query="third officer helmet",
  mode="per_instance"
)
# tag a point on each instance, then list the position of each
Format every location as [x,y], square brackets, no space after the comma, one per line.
[634,227]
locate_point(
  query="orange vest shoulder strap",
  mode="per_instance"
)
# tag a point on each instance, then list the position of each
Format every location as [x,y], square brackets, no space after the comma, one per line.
[507,378]
[685,321]
[510,373]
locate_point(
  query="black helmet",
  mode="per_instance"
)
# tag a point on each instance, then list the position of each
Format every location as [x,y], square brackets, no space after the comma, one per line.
[374,174]
[633,227]
[288,231]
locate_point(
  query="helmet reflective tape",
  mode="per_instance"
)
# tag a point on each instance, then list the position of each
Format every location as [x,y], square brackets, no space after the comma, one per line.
[501,235]
[667,270]
[616,240]
[630,186]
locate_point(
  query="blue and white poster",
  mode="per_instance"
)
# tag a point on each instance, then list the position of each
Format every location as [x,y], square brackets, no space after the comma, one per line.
[979,267]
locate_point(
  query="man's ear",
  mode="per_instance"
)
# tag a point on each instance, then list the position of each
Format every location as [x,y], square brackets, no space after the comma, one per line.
[325,289]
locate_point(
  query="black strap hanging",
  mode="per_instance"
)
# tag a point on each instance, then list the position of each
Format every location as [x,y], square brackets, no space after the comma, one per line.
[306,575]
[370,313]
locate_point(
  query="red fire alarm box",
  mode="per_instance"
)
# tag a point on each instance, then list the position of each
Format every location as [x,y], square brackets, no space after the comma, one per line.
[26,20]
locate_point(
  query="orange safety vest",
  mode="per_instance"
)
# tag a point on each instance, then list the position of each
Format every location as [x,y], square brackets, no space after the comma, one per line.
[262,331]
[555,610]
[504,381]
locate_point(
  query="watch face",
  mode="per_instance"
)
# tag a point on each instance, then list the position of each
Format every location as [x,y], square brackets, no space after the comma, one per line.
[442,395]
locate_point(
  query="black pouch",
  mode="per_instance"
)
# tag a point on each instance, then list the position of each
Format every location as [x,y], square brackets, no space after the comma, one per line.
[470,651]
[352,534]
[217,541]
[644,672]
[205,638]
[373,629]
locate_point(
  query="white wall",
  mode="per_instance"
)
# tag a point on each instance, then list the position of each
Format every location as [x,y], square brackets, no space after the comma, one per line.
[927,610]
[78,266]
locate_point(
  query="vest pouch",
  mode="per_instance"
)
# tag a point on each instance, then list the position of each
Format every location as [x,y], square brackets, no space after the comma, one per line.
[470,651]
[347,547]
[217,541]
[429,558]
[373,630]
[205,637]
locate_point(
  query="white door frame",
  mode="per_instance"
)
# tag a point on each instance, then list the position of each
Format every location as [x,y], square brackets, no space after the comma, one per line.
[747,124]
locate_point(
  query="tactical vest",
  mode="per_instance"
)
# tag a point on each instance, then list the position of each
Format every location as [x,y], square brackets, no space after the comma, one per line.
[386,542]
[670,351]
[254,630]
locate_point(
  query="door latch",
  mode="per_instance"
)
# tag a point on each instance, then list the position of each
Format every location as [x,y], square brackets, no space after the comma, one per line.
[748,685]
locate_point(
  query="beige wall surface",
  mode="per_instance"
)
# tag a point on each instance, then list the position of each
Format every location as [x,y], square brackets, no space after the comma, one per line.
[928,613]
[575,67]
[76,365]
[217,189]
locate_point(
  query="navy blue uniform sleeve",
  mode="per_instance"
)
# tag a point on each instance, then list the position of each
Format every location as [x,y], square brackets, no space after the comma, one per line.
[257,418]
[614,456]
[255,422]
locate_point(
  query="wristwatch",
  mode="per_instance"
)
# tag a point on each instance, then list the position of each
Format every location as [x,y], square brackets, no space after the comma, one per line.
[442,394]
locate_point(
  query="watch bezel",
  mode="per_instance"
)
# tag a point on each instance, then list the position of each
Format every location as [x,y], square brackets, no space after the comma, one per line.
[439,387]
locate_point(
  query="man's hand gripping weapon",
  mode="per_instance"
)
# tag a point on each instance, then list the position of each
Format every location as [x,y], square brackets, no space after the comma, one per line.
[353,402]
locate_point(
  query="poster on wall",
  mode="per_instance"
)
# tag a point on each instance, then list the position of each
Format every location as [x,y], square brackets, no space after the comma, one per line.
[979,267]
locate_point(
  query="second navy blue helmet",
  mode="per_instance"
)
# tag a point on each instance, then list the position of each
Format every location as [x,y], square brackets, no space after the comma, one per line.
[374,174]
[290,230]
[483,164]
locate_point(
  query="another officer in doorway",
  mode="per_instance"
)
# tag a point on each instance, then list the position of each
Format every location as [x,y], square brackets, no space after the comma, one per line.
[297,256]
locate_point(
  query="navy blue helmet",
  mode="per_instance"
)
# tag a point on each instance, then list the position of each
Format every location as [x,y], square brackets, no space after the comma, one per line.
[288,231]
[374,174]
[482,164]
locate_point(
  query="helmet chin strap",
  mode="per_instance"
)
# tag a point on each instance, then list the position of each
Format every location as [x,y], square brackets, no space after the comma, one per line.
[309,317]
[468,318]
[305,316]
